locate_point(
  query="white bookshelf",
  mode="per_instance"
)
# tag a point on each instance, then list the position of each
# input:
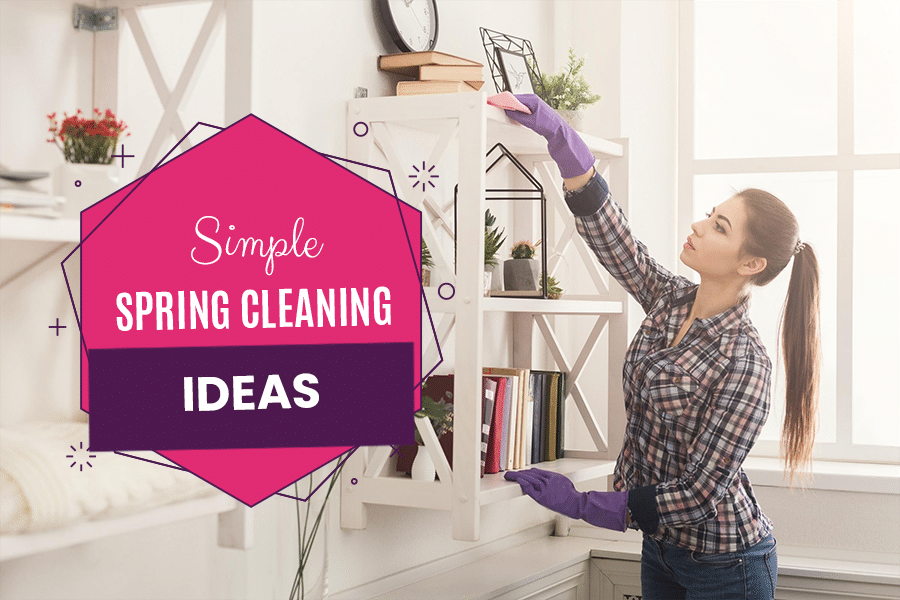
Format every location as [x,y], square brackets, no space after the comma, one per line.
[464,119]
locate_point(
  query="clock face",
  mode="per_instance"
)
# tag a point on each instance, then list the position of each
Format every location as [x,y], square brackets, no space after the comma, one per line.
[413,24]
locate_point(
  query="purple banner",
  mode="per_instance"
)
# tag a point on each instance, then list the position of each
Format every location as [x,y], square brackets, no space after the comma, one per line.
[251,397]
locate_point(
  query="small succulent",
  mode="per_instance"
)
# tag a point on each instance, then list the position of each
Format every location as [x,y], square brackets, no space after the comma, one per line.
[525,249]
[426,255]
[493,238]
[553,289]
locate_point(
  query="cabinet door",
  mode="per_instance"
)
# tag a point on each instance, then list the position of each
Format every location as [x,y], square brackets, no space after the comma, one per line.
[571,583]
[612,579]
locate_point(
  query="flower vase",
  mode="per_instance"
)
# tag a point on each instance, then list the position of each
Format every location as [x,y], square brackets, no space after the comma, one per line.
[83,185]
[423,466]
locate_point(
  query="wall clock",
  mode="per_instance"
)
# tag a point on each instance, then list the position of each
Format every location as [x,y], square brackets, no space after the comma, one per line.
[413,24]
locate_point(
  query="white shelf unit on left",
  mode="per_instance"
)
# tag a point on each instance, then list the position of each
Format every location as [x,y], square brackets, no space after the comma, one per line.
[24,242]
[377,130]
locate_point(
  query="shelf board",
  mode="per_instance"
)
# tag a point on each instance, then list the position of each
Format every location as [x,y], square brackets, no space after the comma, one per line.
[563,306]
[39,229]
[495,488]
[16,546]
[518,139]
[522,141]
[401,490]
[556,307]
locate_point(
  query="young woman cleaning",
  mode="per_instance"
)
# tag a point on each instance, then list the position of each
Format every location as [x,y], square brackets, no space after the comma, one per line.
[697,381]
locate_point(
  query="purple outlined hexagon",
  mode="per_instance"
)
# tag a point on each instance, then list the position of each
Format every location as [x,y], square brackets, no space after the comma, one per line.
[250,172]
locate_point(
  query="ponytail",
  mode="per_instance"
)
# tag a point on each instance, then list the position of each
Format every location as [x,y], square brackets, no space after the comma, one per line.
[802,350]
[773,234]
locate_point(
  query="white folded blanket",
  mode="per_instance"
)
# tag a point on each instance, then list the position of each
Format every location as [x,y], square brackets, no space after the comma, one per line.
[39,489]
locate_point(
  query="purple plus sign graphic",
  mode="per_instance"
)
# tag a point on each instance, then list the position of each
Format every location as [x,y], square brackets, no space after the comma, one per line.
[123,156]
[57,327]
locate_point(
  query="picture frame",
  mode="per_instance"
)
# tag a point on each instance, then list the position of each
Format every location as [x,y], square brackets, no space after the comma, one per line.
[504,49]
[516,74]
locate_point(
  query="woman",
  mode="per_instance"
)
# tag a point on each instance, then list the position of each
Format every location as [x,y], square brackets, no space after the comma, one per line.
[697,382]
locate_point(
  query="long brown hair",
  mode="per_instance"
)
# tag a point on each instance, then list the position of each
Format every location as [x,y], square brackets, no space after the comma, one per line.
[773,234]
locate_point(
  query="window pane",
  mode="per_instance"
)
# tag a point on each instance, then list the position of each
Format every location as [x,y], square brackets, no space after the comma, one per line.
[765,78]
[812,197]
[876,308]
[876,65]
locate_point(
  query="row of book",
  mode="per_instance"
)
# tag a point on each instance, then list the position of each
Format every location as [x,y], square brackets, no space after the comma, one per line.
[523,417]
[435,72]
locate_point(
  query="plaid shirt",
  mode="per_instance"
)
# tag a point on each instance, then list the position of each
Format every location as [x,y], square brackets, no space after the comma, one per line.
[693,411]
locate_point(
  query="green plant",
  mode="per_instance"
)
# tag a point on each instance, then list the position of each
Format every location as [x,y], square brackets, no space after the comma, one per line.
[568,89]
[493,238]
[525,249]
[426,255]
[439,412]
[553,289]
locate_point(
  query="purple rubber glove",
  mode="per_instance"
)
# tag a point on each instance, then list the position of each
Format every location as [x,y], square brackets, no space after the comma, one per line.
[566,147]
[558,493]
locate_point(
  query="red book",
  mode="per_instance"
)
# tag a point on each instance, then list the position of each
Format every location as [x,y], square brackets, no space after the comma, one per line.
[492,464]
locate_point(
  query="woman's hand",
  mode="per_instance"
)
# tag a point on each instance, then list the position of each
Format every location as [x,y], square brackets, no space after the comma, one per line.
[558,493]
[566,148]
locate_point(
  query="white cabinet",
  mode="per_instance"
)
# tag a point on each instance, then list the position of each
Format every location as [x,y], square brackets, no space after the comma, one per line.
[461,127]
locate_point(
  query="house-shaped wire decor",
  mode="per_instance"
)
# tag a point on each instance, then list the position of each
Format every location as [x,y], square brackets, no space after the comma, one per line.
[535,192]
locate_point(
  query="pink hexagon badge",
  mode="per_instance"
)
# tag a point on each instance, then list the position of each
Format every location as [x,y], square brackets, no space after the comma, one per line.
[250,310]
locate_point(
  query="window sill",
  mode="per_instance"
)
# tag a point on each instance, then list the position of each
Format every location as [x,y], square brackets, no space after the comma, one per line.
[828,475]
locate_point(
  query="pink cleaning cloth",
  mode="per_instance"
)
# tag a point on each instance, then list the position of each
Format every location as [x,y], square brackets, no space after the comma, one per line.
[508,101]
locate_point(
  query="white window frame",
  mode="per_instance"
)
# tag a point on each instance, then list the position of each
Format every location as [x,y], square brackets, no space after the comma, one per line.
[845,163]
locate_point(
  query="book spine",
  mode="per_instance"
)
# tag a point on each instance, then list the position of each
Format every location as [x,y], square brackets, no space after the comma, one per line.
[489,389]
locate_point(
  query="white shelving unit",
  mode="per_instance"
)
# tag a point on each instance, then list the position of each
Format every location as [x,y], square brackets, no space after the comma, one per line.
[24,242]
[475,126]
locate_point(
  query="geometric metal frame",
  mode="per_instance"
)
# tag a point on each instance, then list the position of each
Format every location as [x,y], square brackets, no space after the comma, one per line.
[493,41]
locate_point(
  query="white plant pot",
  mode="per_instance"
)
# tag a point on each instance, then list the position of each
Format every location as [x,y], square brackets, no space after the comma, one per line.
[573,117]
[95,182]
[488,276]
[423,466]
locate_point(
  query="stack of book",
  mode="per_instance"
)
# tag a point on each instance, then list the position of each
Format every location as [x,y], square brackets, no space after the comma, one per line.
[523,418]
[30,203]
[435,72]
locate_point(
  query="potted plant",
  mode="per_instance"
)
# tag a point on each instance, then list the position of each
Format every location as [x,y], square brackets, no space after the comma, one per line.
[521,272]
[87,145]
[427,263]
[568,91]
[493,239]
[553,290]
[440,413]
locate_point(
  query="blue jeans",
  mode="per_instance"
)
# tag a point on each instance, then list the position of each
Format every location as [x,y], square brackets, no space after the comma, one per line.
[670,572]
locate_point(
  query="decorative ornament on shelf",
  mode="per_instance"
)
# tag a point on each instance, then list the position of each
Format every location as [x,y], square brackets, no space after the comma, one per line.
[568,92]
[521,272]
[87,145]
[493,239]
